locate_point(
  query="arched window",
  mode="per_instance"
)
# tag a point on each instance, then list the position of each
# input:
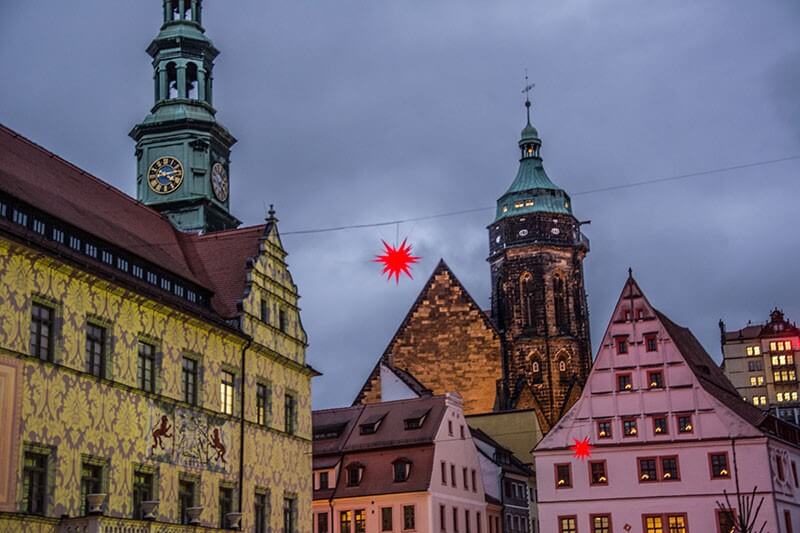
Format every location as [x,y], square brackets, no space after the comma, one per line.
[562,365]
[536,370]
[560,304]
[191,81]
[172,81]
[532,303]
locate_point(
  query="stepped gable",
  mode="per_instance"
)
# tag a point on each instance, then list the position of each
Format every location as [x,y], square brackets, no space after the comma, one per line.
[37,178]
[445,343]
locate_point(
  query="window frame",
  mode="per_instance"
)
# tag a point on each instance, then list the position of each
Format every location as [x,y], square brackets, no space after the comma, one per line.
[656,478]
[43,474]
[623,375]
[621,344]
[97,360]
[290,413]
[661,384]
[635,433]
[568,484]
[610,433]
[263,403]
[592,528]
[717,515]
[383,518]
[711,456]
[191,395]
[141,370]
[650,337]
[50,322]
[227,392]
[688,431]
[592,482]
[666,425]
[661,472]
[413,509]
[561,519]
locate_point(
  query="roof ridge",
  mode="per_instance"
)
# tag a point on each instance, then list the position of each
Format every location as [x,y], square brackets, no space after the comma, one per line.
[85,173]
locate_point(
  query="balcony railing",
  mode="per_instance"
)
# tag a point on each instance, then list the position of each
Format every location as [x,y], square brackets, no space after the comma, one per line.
[105,524]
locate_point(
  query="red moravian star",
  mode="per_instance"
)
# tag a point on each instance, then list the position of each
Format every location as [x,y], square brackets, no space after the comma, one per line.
[396,260]
[583,449]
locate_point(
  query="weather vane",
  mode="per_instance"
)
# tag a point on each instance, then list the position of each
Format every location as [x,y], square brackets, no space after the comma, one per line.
[527,91]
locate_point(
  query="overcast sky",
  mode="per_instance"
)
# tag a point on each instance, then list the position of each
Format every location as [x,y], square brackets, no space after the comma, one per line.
[364,111]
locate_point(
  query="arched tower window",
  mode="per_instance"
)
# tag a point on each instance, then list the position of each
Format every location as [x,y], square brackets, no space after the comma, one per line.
[562,365]
[560,304]
[172,81]
[536,371]
[182,10]
[532,303]
[192,86]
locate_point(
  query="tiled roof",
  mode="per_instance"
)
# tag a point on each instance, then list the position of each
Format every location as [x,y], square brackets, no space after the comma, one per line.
[748,332]
[42,180]
[515,465]
[378,475]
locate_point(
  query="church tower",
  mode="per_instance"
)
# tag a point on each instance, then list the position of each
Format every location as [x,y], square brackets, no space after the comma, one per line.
[538,296]
[182,152]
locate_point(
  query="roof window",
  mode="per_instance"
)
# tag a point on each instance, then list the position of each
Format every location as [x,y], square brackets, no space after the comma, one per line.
[416,419]
[371,424]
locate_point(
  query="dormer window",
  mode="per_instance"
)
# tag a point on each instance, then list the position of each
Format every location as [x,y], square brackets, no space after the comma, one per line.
[402,469]
[416,419]
[371,424]
[355,472]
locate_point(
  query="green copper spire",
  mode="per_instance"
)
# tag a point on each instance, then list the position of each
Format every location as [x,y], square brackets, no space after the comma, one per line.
[182,151]
[532,191]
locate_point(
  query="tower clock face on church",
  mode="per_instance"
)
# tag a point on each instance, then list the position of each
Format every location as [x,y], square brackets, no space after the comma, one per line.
[219,181]
[165,175]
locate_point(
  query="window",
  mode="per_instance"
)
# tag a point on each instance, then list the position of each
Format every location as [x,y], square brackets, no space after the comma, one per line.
[107,257]
[386,519]
[653,524]
[283,320]
[647,470]
[146,367]
[756,381]
[452,475]
[467,524]
[401,468]
[597,473]
[96,350]
[225,505]
[442,518]
[264,311]
[444,473]
[409,520]
[685,424]
[58,235]
[90,250]
[753,350]
[122,264]
[20,218]
[289,514]
[142,491]
[655,379]
[360,521]
[622,344]
[478,522]
[189,374]
[290,413]
[322,522]
[725,521]
[354,473]
[787,517]
[345,520]
[563,476]
[455,520]
[794,474]
[91,483]
[262,403]
[719,465]
[567,524]
[465,479]
[782,360]
[759,400]
[755,366]
[137,271]
[450,427]
[562,366]
[38,226]
[475,485]
[601,523]
[676,523]
[624,382]
[226,393]
[660,425]
[74,243]
[186,498]
[669,469]
[42,337]
[324,480]
[651,342]
[604,429]
[629,427]
[779,467]
[34,483]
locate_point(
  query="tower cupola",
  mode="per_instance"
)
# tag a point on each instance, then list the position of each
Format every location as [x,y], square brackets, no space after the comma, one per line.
[182,152]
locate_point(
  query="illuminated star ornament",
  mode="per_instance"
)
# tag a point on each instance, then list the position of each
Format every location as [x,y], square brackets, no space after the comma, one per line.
[396,260]
[583,449]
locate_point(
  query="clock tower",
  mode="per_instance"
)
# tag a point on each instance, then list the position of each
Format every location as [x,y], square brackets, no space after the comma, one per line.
[538,298]
[182,152]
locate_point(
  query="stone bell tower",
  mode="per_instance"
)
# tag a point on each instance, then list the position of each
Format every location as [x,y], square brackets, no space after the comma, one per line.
[538,296]
[182,152]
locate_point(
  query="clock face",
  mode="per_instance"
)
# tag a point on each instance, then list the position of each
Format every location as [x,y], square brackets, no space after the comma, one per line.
[165,175]
[219,181]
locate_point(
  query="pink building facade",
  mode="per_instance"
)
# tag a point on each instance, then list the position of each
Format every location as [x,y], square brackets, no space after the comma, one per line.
[669,436]
[405,466]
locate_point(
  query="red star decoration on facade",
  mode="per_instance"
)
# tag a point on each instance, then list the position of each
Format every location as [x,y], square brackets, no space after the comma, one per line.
[583,449]
[396,260]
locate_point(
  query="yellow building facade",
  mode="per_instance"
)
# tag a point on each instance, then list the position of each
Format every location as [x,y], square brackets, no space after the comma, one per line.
[114,382]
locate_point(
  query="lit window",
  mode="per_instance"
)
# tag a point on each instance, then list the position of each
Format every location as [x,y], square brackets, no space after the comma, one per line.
[597,470]
[505,209]
[773,346]
[660,425]
[226,392]
[517,205]
[719,465]
[685,424]
[563,476]
[669,469]
[604,429]
[624,382]
[629,427]
[754,350]
[562,366]
[647,470]
[656,380]
[567,524]
[528,203]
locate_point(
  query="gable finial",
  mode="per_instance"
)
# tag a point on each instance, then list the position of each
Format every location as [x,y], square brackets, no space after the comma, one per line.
[630,273]
[271,214]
